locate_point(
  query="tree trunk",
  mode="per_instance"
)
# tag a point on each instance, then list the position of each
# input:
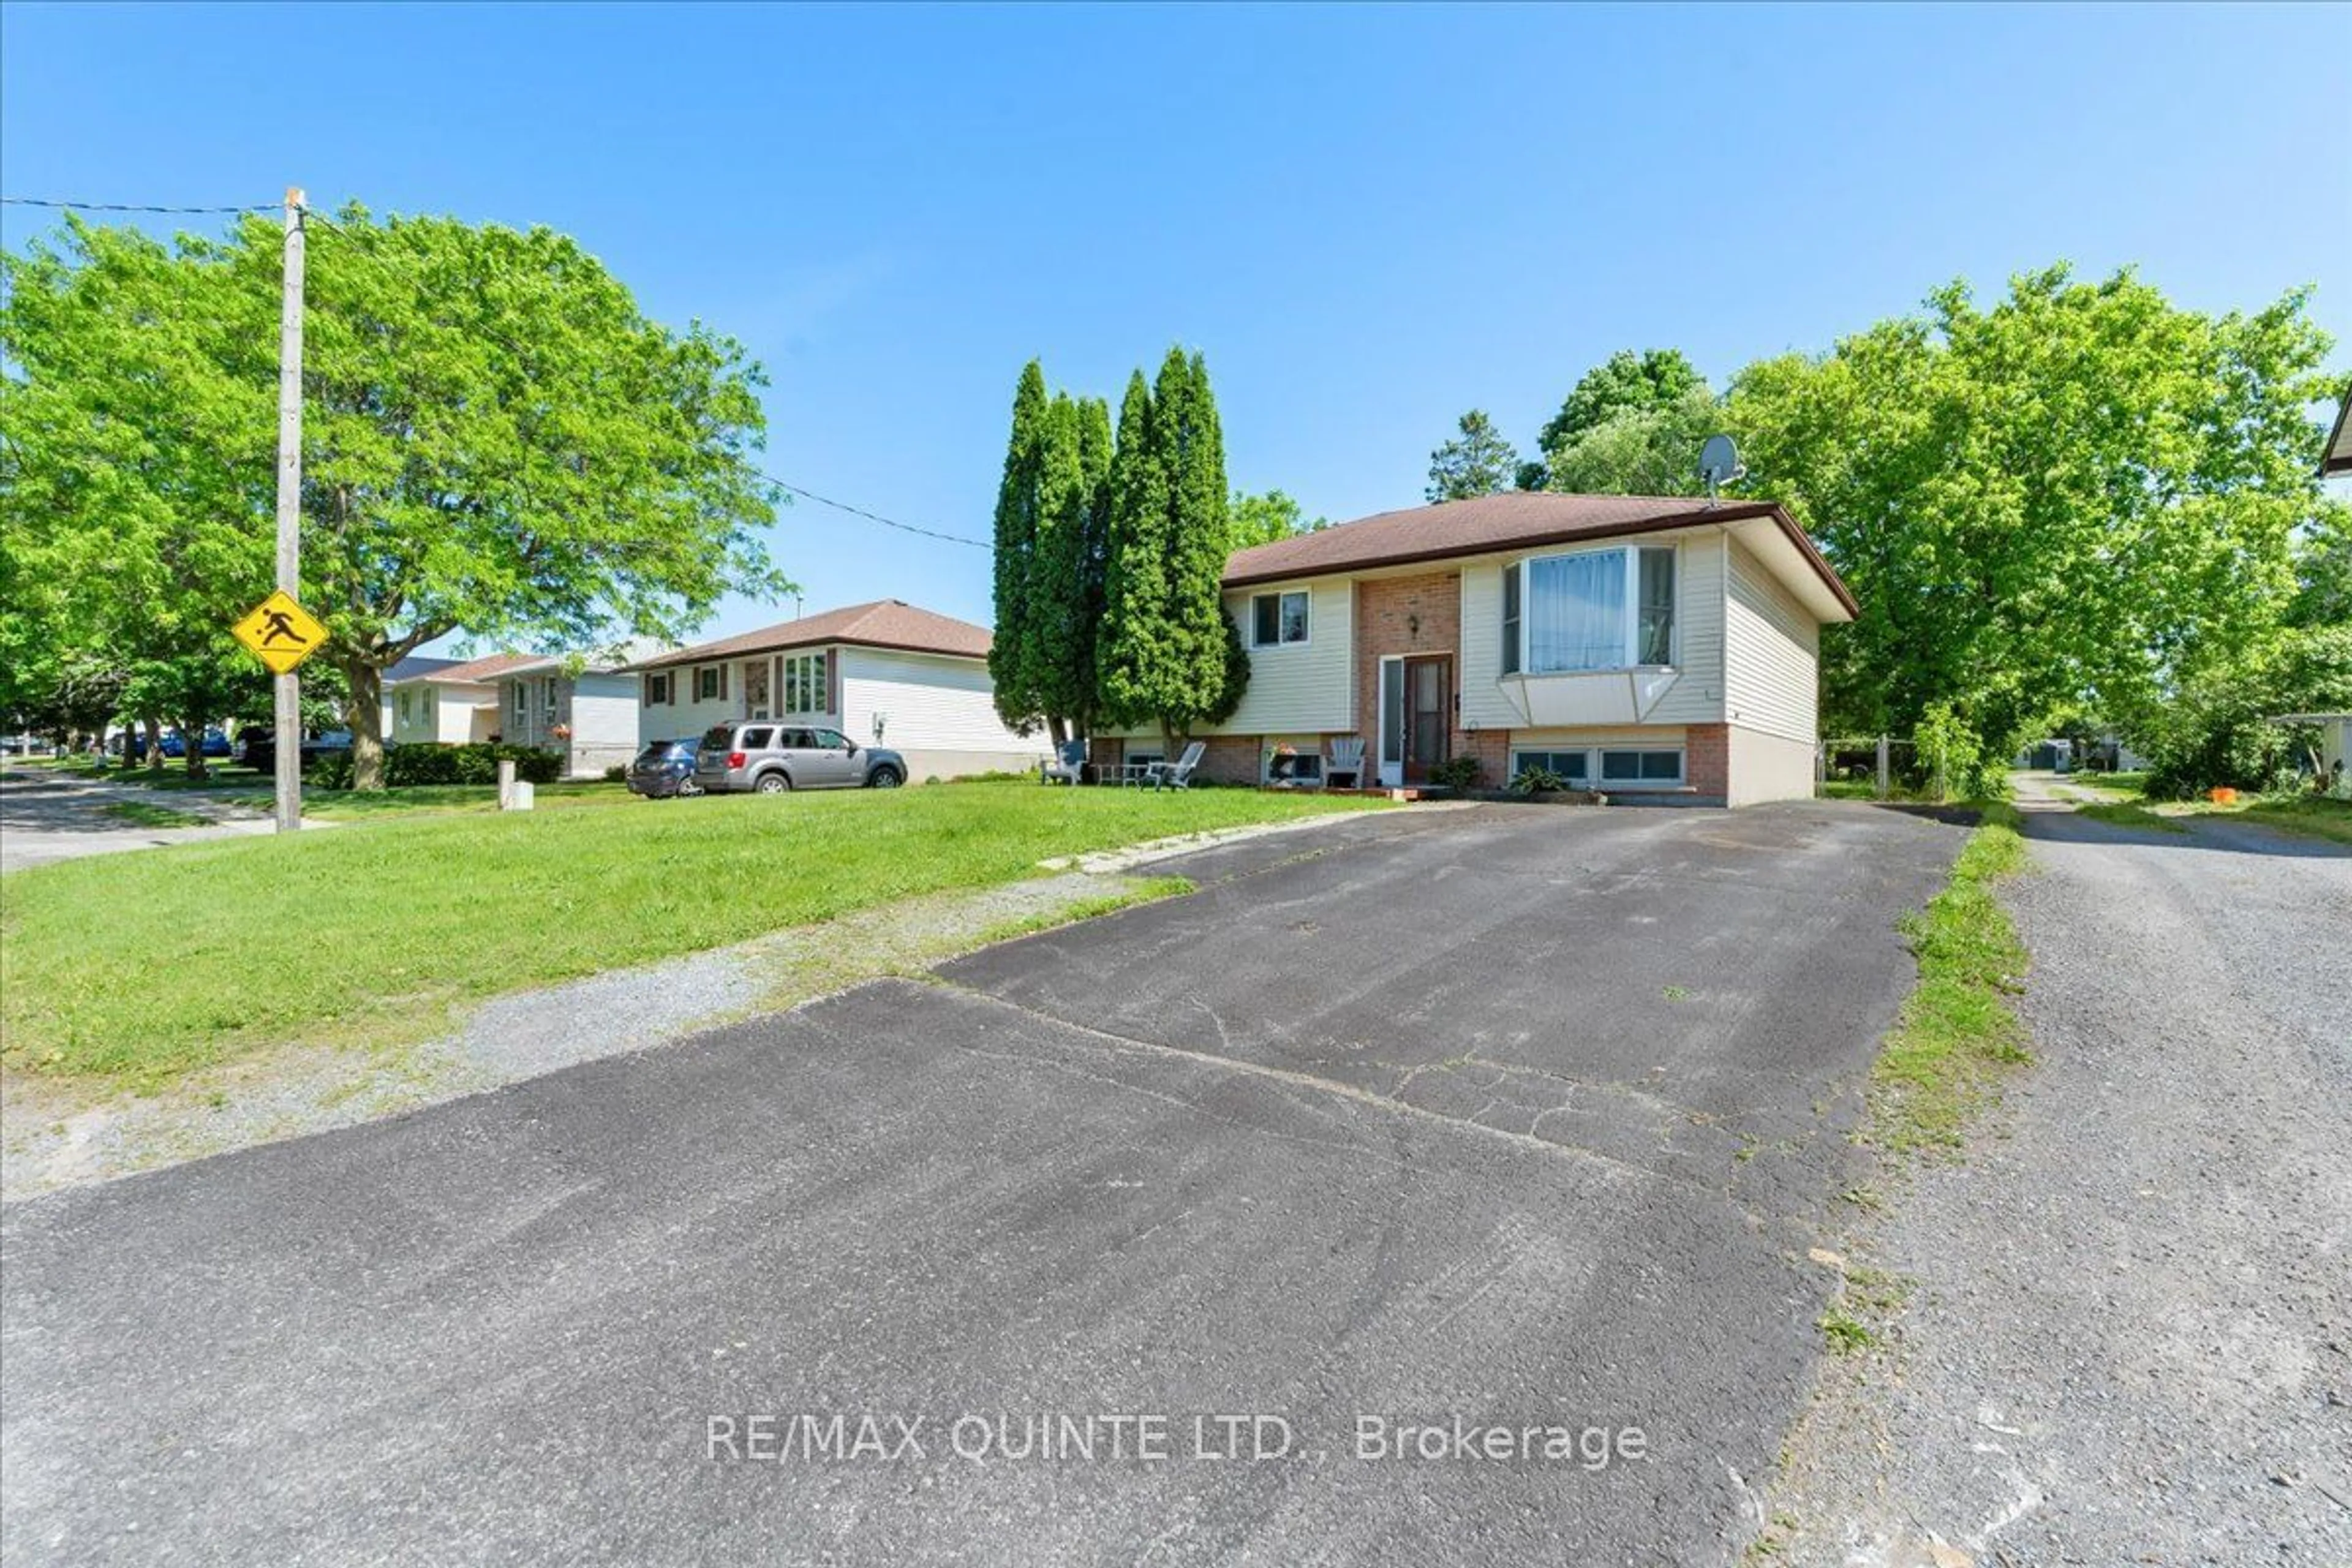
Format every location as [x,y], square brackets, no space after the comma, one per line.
[192,726]
[1058,728]
[153,728]
[364,713]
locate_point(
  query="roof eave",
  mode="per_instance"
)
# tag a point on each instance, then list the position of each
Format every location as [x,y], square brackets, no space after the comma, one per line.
[682,660]
[2335,457]
[1737,511]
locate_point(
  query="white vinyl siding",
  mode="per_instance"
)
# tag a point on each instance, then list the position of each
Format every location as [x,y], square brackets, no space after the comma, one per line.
[448,714]
[929,704]
[1304,688]
[1771,652]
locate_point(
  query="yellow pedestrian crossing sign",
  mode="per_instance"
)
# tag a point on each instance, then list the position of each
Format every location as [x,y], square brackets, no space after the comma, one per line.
[282,633]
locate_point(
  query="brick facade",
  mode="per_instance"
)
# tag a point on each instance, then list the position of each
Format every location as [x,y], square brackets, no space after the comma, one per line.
[1419,615]
[1707,761]
[1230,759]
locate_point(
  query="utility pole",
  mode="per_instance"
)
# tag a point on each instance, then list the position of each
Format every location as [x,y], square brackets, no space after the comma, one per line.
[289,509]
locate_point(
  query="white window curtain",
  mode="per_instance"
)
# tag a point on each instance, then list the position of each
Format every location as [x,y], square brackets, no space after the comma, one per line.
[1576,612]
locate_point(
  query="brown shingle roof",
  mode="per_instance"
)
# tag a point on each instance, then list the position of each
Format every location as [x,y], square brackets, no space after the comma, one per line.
[885,623]
[1511,520]
[488,667]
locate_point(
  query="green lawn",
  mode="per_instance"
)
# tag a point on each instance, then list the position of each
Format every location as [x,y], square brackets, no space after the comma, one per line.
[2121,801]
[140,814]
[140,967]
[355,805]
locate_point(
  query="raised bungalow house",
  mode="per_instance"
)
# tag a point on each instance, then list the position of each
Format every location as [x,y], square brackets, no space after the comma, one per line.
[449,706]
[590,716]
[1664,647]
[885,674]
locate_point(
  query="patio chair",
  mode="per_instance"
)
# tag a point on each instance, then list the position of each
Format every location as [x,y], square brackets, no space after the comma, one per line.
[1068,766]
[1178,774]
[1345,757]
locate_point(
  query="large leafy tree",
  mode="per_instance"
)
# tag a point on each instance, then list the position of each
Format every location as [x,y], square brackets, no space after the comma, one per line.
[1167,649]
[1476,462]
[1625,384]
[1263,519]
[130,542]
[2080,494]
[1647,451]
[495,439]
[1012,651]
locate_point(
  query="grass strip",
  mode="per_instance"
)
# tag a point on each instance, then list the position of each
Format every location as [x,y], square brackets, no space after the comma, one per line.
[1957,1032]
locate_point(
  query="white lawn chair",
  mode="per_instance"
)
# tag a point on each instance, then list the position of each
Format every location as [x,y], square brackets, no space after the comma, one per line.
[1069,767]
[1345,756]
[1177,774]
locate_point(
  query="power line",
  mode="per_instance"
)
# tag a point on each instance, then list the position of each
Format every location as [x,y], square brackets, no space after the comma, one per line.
[129,207]
[873,516]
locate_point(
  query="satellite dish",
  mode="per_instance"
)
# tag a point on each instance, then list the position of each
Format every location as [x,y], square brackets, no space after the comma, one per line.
[1720,464]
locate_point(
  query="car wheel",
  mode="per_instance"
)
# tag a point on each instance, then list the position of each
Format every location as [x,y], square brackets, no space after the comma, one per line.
[687,787]
[772,784]
[884,778]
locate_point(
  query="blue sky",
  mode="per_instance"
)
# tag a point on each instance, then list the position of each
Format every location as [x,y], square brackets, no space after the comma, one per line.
[1368,219]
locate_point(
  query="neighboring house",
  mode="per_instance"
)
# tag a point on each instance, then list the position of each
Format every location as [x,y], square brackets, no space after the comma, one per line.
[2337,458]
[883,674]
[408,669]
[1657,647]
[449,706]
[590,716]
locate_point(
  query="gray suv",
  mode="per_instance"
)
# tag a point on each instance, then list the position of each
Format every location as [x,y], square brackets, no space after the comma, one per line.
[769,758]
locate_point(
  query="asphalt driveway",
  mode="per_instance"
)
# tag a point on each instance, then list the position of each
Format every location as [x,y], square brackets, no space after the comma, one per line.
[1513,1116]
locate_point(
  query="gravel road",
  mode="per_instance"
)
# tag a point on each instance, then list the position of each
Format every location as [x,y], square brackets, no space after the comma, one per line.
[2131,1337]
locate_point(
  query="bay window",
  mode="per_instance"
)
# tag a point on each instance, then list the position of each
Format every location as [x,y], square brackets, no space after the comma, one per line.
[1592,609]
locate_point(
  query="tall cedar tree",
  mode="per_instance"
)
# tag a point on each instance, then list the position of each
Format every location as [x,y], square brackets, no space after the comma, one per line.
[1010,654]
[1065,591]
[1168,651]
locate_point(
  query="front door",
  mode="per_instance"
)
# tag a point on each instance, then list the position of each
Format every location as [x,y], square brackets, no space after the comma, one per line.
[1428,722]
[1416,700]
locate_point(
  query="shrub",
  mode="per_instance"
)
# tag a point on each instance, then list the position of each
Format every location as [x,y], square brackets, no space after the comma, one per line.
[417,764]
[1456,772]
[1537,781]
[616,773]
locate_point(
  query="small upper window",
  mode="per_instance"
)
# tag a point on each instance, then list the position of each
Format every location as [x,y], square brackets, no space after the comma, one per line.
[708,683]
[1278,618]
